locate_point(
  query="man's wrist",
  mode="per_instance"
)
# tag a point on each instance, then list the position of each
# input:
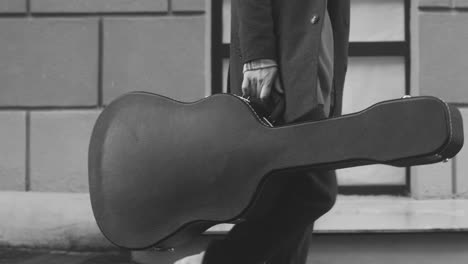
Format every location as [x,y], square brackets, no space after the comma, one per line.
[259,64]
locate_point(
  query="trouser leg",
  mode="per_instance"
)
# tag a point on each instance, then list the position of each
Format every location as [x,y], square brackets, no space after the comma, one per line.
[314,195]
[296,250]
[281,235]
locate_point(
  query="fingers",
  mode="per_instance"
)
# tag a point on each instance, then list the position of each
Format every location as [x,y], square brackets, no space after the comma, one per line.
[278,85]
[245,87]
[265,91]
[255,87]
[250,86]
[258,83]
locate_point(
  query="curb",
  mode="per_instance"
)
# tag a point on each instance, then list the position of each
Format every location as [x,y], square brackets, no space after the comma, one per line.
[64,221]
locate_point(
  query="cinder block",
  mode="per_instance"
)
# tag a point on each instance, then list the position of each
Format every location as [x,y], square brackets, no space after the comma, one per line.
[462,161]
[12,150]
[460,3]
[12,6]
[50,221]
[165,55]
[432,181]
[93,6]
[48,62]
[443,39]
[188,5]
[435,3]
[59,150]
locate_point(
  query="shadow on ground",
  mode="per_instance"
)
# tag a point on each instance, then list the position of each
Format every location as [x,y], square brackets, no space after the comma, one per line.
[30,256]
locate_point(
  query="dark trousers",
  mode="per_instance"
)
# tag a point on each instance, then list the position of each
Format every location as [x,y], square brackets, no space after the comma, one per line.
[279,233]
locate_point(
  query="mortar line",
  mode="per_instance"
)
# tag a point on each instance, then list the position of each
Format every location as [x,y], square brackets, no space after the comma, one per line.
[454,177]
[100,79]
[435,9]
[169,7]
[104,14]
[28,152]
[46,108]
[443,9]
[460,105]
[28,7]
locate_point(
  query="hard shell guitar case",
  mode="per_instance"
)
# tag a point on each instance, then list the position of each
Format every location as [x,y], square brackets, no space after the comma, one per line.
[163,171]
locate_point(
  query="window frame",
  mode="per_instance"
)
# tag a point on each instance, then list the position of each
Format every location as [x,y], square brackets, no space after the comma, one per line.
[220,51]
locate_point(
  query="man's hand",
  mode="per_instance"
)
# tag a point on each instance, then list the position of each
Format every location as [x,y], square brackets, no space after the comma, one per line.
[260,77]
[194,259]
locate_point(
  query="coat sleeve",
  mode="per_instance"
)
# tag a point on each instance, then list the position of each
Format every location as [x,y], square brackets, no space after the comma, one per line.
[256,30]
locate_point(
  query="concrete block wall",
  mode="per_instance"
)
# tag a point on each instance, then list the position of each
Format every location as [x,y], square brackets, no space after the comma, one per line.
[13,150]
[13,6]
[440,66]
[62,61]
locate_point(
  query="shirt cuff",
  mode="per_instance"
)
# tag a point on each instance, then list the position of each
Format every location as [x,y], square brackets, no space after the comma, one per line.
[259,64]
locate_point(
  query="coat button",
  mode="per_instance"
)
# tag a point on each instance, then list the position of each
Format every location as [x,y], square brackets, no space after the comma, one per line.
[315,19]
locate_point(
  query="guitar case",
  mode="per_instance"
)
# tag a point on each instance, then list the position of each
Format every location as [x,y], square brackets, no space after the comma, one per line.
[163,171]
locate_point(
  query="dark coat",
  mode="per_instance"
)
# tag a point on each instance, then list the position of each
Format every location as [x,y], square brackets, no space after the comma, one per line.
[289,32]
[284,30]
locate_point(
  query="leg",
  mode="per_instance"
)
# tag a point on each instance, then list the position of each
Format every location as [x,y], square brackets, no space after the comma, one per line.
[312,204]
[281,234]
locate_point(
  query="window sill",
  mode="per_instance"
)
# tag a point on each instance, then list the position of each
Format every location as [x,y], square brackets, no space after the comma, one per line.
[387,214]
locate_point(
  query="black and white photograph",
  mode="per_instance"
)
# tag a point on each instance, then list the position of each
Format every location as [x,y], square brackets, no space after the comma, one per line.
[233,131]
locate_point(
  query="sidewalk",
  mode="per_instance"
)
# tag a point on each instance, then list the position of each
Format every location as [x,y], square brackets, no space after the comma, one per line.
[27,256]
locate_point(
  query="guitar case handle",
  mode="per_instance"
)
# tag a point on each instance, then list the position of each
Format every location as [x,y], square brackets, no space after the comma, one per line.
[271,109]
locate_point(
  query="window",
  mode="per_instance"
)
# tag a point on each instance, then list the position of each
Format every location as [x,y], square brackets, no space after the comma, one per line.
[379,69]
